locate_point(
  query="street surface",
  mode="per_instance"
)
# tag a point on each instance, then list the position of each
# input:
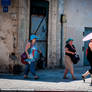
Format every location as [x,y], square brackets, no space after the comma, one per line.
[50,80]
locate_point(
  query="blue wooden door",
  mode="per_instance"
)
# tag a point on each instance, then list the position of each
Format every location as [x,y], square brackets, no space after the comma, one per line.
[39,24]
[87,31]
[41,33]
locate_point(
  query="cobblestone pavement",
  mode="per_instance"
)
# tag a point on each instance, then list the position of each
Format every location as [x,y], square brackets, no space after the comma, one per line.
[50,80]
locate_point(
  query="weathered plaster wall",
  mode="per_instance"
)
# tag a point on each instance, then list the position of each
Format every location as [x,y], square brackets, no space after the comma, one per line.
[14,32]
[23,27]
[8,32]
[54,32]
[78,14]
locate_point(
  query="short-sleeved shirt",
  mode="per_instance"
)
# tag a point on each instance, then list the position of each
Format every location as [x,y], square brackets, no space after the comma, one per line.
[72,49]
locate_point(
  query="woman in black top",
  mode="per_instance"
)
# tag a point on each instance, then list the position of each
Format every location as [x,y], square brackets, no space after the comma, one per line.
[69,52]
[89,57]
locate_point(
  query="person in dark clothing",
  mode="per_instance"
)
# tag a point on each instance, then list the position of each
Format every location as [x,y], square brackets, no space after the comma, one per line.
[69,52]
[89,57]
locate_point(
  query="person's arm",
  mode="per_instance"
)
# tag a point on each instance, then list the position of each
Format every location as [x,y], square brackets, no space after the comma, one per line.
[26,49]
[74,48]
[67,51]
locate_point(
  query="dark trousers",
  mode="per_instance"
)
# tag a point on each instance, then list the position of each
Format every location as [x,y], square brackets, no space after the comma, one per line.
[90,70]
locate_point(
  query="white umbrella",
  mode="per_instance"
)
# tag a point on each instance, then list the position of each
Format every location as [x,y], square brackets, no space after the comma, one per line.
[87,37]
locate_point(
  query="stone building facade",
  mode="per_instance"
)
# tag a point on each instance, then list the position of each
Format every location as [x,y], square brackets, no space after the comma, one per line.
[8,34]
[14,32]
[15,26]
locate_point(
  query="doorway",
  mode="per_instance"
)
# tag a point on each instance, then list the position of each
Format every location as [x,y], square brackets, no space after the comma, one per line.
[39,24]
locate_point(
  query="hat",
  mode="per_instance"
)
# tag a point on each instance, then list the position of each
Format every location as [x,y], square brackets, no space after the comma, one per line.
[33,37]
[70,39]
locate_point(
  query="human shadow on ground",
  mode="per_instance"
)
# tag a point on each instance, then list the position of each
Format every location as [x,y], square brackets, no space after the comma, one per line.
[46,76]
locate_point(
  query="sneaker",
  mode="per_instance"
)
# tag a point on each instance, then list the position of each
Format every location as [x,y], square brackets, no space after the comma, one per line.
[83,78]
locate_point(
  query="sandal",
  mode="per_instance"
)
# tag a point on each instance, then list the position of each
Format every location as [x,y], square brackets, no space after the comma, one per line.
[74,78]
[25,77]
[65,77]
[36,77]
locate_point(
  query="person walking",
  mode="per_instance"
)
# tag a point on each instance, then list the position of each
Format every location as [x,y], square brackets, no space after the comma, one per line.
[29,49]
[89,58]
[69,52]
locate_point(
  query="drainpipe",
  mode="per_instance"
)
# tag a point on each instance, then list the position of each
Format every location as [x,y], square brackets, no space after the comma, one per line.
[61,20]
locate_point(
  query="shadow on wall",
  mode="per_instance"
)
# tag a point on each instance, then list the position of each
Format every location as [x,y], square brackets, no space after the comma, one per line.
[14,67]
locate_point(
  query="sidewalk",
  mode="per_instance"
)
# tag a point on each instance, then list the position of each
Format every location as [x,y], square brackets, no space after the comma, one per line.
[49,80]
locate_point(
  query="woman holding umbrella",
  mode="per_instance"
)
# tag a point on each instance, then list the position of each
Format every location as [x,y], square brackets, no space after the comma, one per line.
[89,57]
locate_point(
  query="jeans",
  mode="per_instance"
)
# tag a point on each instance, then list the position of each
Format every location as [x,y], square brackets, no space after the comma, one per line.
[30,67]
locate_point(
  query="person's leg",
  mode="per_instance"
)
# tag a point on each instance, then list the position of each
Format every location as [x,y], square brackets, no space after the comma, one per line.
[70,64]
[91,73]
[86,74]
[27,66]
[72,73]
[66,66]
[65,73]
[32,68]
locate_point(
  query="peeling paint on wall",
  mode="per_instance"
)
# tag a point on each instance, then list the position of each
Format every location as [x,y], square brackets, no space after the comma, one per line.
[8,30]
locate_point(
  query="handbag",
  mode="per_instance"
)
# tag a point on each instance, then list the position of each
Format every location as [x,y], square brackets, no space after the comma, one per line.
[23,57]
[75,58]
